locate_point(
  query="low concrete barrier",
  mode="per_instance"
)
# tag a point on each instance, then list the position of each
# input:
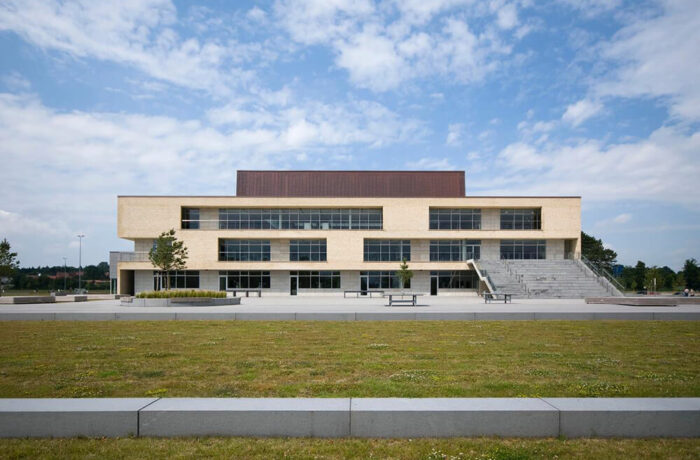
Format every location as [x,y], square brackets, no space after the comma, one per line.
[21,418]
[135,315]
[352,417]
[298,417]
[33,299]
[80,298]
[180,302]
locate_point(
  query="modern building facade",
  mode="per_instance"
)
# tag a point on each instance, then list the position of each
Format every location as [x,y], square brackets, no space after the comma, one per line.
[322,232]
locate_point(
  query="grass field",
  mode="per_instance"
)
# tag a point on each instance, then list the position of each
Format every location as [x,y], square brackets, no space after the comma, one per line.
[430,449]
[350,359]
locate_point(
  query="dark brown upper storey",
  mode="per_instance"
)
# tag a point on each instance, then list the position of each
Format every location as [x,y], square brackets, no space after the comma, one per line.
[394,184]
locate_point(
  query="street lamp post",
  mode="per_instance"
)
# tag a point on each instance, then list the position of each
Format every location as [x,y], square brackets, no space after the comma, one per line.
[80,261]
[65,273]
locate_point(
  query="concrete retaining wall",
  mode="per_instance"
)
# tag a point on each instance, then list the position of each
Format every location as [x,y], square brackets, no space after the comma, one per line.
[136,315]
[180,302]
[352,417]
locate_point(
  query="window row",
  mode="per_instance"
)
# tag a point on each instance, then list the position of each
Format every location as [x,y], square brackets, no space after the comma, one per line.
[454,250]
[249,279]
[381,280]
[521,219]
[523,249]
[317,279]
[301,219]
[355,219]
[181,279]
[387,250]
[378,250]
[460,279]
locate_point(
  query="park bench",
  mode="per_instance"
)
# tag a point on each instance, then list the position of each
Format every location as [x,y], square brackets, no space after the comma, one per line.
[365,292]
[497,297]
[408,299]
[247,291]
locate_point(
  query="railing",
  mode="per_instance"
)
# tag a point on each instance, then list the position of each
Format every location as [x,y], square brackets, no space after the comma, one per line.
[482,274]
[604,276]
[133,256]
[217,224]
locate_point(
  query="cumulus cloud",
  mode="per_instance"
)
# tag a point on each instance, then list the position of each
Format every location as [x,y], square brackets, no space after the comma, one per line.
[581,111]
[430,163]
[657,57]
[141,34]
[622,218]
[67,167]
[657,168]
[382,47]
[454,134]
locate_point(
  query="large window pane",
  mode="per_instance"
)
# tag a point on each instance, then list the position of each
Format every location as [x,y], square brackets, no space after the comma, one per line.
[455,219]
[454,250]
[300,219]
[387,250]
[521,219]
[523,249]
[244,250]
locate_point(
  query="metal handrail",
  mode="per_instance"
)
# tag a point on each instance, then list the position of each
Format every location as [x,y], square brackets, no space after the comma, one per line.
[604,274]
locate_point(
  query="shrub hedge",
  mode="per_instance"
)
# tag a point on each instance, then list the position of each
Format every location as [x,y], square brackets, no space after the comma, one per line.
[180,293]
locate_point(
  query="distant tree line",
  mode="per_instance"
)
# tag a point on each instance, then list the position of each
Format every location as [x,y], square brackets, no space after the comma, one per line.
[52,278]
[640,277]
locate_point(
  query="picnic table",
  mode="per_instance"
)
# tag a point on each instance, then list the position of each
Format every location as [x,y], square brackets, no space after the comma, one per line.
[361,292]
[497,296]
[247,291]
[405,298]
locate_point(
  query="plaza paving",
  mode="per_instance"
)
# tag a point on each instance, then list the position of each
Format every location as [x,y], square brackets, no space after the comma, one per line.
[339,308]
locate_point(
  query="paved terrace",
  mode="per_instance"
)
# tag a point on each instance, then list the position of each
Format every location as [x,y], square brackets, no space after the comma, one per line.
[352,309]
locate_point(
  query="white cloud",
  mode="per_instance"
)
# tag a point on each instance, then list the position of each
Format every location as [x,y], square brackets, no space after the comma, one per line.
[658,57]
[454,134]
[592,8]
[16,82]
[429,163]
[386,46]
[581,111]
[622,218]
[67,167]
[659,168]
[137,33]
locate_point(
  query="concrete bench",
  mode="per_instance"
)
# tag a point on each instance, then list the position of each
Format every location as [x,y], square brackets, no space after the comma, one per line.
[34,299]
[80,298]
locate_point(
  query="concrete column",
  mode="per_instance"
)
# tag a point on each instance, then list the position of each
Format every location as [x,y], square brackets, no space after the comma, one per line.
[490,249]
[490,219]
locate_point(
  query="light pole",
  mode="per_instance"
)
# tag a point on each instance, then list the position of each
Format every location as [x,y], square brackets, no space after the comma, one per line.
[65,273]
[80,260]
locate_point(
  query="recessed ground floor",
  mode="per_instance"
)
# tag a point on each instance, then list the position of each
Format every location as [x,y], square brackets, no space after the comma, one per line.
[302,282]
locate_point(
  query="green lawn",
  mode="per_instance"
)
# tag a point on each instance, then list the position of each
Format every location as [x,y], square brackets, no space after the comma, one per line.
[343,359]
[432,449]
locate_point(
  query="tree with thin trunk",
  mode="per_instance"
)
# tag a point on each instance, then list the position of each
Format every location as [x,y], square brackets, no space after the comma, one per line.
[8,262]
[404,274]
[168,254]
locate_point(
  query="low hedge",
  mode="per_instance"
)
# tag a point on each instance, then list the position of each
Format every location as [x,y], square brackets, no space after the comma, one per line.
[179,293]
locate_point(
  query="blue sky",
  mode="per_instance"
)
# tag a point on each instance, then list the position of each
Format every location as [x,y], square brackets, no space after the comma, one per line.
[598,98]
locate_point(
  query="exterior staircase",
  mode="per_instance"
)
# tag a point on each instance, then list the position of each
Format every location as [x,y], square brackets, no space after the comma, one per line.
[547,279]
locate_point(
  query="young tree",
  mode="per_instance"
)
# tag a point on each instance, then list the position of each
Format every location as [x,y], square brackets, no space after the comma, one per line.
[640,273]
[8,262]
[168,254]
[593,250]
[404,274]
[691,273]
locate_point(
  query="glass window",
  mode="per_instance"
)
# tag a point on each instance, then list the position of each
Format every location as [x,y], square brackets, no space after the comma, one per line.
[382,280]
[300,219]
[387,250]
[307,250]
[460,279]
[521,219]
[251,279]
[454,250]
[318,279]
[244,250]
[455,219]
[523,249]
[190,218]
[181,279]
